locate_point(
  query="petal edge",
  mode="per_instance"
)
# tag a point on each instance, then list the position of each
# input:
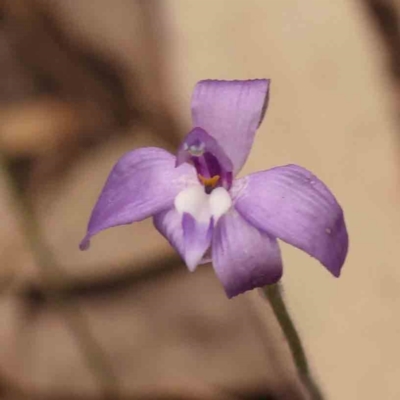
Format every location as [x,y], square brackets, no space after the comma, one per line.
[292,204]
[142,183]
[243,257]
[231,112]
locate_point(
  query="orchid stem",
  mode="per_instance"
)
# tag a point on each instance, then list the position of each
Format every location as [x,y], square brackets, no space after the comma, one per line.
[274,295]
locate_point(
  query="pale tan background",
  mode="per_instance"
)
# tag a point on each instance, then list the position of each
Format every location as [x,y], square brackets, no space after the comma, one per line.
[333,109]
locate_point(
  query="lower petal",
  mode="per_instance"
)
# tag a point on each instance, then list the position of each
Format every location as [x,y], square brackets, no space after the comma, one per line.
[292,204]
[197,239]
[243,257]
[169,224]
[188,237]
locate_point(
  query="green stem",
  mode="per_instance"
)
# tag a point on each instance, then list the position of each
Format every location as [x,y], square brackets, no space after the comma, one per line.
[274,295]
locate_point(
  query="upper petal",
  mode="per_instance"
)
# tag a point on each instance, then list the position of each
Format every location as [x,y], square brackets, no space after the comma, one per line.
[142,183]
[231,112]
[244,257]
[292,204]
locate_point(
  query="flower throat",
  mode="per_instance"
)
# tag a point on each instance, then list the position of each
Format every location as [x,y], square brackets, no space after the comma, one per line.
[213,166]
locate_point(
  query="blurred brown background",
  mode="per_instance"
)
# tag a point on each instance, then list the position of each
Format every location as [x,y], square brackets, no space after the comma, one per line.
[83,82]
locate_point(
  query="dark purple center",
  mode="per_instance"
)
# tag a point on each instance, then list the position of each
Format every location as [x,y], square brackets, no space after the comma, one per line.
[213,166]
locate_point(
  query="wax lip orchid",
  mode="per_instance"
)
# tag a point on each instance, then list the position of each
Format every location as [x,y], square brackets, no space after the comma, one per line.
[208,215]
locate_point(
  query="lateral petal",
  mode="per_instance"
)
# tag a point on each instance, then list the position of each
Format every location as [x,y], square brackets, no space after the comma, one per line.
[244,257]
[142,183]
[292,204]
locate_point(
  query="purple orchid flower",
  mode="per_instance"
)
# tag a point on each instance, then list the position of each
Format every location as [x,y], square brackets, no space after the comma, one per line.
[208,215]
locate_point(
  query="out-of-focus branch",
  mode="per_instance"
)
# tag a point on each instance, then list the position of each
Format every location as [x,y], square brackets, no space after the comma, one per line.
[52,276]
[61,67]
[73,288]
[386,15]
[77,95]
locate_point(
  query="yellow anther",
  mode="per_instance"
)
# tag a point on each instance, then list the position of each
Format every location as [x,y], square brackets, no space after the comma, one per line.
[209,182]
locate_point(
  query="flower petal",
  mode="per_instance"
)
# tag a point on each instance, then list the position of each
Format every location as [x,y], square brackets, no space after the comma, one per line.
[231,112]
[243,256]
[142,183]
[169,224]
[193,206]
[290,203]
[197,238]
